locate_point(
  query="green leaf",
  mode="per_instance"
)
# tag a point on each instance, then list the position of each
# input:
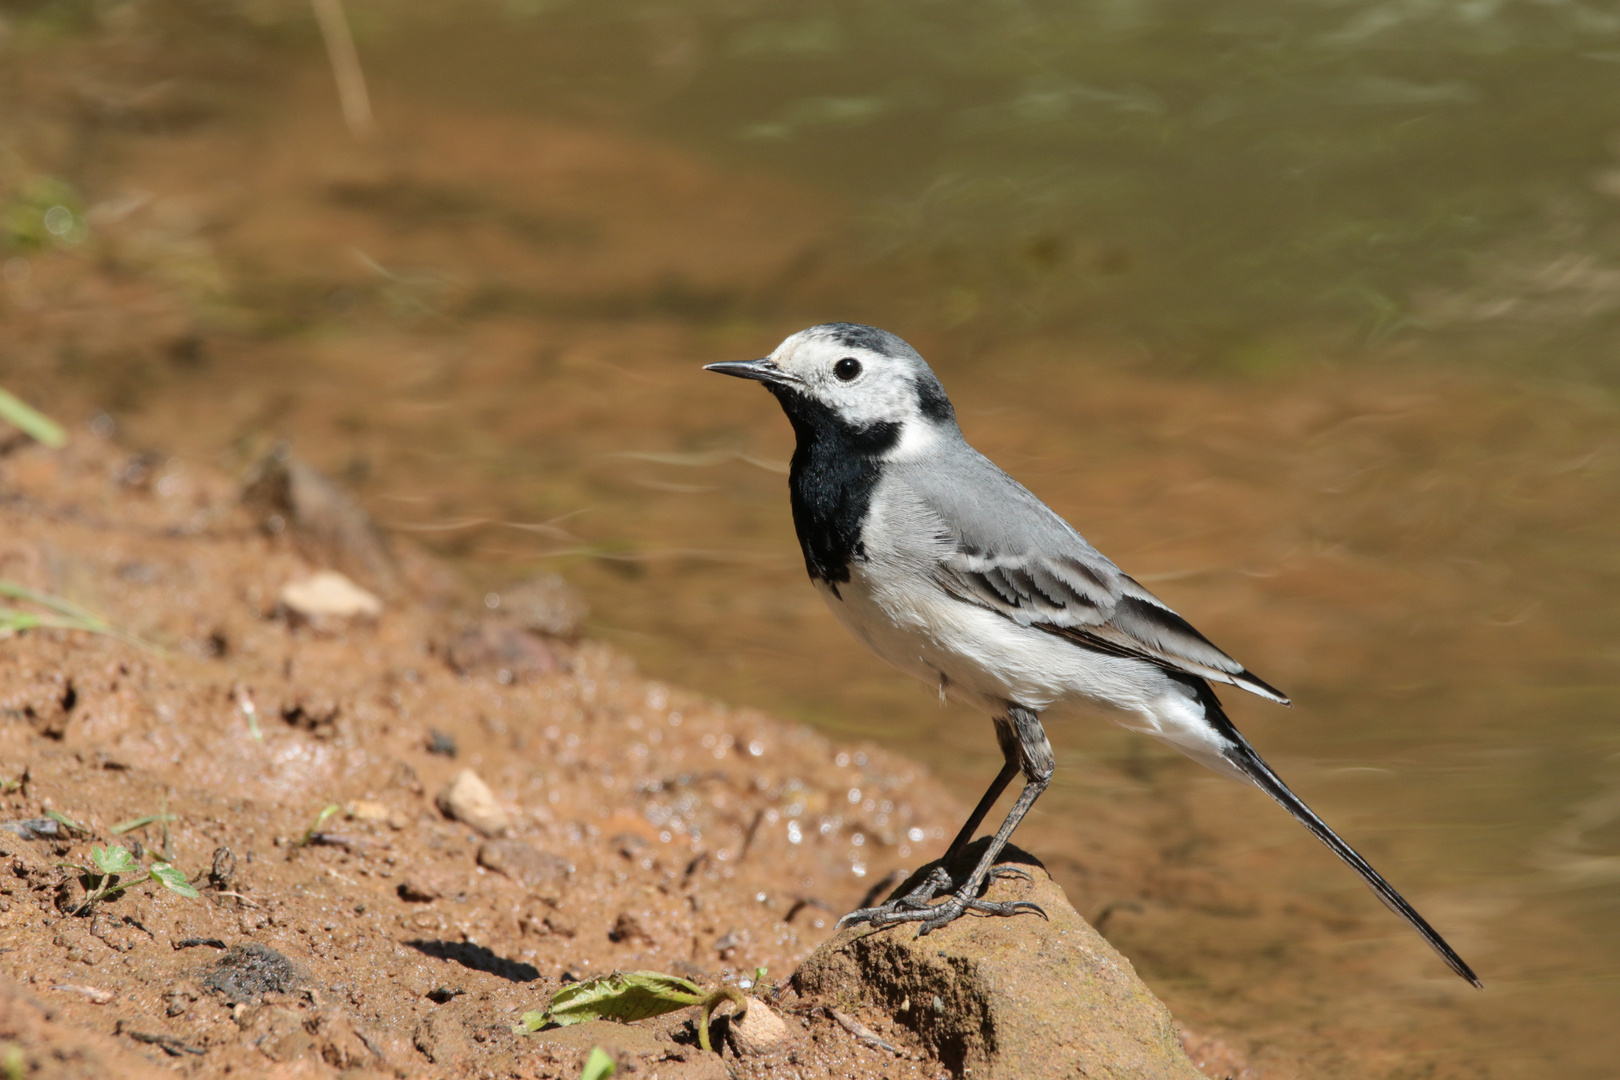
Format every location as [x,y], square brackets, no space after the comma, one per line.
[172,879]
[113,859]
[136,823]
[599,1066]
[63,819]
[534,1020]
[625,996]
[30,421]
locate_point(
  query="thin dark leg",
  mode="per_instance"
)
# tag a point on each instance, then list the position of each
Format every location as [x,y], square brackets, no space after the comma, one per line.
[965,837]
[1020,734]
[939,880]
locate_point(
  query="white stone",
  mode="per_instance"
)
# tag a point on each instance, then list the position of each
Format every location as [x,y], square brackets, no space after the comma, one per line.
[328,594]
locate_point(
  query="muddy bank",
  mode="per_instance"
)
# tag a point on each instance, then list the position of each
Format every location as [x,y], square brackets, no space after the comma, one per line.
[512,810]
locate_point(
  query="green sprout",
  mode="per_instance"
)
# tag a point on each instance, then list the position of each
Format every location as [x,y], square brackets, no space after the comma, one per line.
[627,996]
[599,1066]
[315,826]
[111,864]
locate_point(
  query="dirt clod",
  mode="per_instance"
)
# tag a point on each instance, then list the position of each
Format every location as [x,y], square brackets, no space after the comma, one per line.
[545,604]
[499,648]
[524,862]
[287,495]
[248,972]
[427,883]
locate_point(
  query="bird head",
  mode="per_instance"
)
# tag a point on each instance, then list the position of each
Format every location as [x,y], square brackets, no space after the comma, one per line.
[857,377]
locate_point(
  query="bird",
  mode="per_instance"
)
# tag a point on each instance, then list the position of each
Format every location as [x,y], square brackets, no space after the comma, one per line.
[952,571]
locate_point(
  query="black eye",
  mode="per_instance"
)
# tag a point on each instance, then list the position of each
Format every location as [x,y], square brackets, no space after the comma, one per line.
[847,368]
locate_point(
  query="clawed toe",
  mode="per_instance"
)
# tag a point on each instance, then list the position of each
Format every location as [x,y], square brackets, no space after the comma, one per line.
[954,908]
[919,905]
[915,904]
[905,909]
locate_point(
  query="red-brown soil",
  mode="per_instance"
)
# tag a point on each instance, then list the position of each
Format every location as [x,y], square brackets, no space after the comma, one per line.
[649,828]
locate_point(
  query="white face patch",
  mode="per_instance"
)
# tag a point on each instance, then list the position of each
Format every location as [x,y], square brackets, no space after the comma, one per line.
[863,386]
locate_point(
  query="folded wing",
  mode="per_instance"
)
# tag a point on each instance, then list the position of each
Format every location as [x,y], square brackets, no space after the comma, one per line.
[1009,552]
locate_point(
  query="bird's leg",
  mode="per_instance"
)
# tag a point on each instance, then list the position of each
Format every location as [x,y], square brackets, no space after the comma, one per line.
[1024,743]
[939,879]
[1007,739]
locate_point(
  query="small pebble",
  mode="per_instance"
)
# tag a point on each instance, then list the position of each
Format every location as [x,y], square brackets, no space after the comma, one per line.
[469,801]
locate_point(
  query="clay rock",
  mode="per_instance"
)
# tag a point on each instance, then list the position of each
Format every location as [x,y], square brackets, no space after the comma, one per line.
[1010,997]
[285,494]
[442,1038]
[469,800]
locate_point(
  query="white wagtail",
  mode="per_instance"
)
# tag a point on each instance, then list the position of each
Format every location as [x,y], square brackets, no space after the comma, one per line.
[953,571]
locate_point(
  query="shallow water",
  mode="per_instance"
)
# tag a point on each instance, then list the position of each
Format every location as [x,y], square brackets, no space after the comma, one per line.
[1300,312]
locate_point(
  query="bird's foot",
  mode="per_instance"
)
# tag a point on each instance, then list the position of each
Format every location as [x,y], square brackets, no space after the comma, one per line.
[943,914]
[918,899]
[918,906]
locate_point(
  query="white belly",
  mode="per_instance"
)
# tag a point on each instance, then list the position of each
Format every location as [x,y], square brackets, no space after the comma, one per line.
[987,661]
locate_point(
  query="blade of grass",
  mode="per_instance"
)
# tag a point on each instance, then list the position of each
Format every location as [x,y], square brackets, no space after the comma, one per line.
[62,819]
[14,620]
[140,822]
[46,600]
[67,616]
[30,421]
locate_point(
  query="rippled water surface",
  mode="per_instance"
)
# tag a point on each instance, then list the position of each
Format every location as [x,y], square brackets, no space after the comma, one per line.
[1304,312]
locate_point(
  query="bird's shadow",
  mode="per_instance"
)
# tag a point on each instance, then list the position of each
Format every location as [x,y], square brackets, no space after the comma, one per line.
[477,958]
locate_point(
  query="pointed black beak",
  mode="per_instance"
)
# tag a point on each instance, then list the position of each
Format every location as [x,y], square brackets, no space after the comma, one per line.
[763,370]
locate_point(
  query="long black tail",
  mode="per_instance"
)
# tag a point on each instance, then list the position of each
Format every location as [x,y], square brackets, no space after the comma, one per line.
[1242,756]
